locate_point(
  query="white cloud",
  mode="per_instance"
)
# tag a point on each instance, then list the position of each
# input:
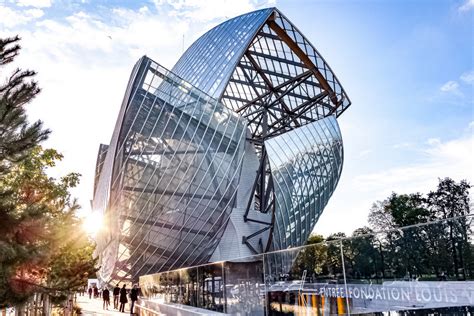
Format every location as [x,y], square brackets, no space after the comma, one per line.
[418,171]
[451,87]
[11,18]
[35,13]
[453,158]
[364,153]
[212,9]
[456,92]
[403,145]
[468,77]
[34,3]
[433,141]
[468,5]
[83,62]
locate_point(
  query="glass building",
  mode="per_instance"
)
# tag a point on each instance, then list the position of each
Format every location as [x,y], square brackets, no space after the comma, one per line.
[233,153]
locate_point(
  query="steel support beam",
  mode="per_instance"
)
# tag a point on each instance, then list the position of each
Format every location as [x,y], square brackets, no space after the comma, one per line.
[303,57]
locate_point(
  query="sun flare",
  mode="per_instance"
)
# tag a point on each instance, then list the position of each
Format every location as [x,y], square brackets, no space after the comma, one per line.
[93,223]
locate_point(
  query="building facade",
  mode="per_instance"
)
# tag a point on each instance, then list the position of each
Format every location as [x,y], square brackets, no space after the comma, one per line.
[234,152]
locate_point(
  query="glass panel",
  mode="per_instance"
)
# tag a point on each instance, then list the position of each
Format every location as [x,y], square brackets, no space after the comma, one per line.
[305,281]
[244,286]
[174,287]
[211,287]
[210,60]
[306,164]
[427,269]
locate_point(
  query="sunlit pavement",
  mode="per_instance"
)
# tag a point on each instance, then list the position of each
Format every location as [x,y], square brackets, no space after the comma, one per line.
[94,306]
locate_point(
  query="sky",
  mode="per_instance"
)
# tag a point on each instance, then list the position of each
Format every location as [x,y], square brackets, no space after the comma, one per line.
[407,67]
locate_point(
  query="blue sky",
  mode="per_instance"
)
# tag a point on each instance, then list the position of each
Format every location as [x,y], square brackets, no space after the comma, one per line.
[406,65]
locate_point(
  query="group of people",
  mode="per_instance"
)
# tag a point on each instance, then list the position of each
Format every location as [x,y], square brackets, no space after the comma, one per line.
[120,296]
[93,290]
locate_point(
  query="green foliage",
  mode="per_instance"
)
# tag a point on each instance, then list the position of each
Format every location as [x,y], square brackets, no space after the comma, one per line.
[42,245]
[46,249]
[410,236]
[312,258]
[17,136]
[407,209]
[451,200]
[71,265]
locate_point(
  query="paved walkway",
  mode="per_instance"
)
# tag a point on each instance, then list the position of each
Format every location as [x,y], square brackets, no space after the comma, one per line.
[94,307]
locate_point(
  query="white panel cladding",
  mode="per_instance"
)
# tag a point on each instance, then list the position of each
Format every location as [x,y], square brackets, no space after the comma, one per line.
[230,245]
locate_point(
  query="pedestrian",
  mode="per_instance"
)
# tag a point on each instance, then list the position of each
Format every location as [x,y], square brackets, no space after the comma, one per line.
[90,292]
[133,297]
[106,298]
[123,299]
[96,292]
[116,296]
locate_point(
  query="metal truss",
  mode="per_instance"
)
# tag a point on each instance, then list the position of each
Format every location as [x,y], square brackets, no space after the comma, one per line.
[278,87]
[263,200]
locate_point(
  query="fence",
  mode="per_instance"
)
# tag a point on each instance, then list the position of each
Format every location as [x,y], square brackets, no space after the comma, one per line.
[423,268]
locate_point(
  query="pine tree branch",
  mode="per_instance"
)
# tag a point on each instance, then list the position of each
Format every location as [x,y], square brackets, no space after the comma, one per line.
[8,54]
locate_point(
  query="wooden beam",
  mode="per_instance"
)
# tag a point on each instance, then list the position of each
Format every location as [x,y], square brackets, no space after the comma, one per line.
[303,57]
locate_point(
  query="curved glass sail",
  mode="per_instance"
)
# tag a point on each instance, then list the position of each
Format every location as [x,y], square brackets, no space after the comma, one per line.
[208,63]
[306,164]
[237,150]
[175,166]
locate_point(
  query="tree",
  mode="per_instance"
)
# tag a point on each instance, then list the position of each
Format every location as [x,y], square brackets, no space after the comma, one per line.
[451,200]
[38,252]
[334,253]
[71,265]
[380,219]
[406,252]
[367,260]
[435,249]
[17,136]
[46,249]
[313,258]
[17,139]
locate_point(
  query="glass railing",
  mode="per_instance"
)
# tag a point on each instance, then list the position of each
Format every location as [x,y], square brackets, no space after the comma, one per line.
[415,270]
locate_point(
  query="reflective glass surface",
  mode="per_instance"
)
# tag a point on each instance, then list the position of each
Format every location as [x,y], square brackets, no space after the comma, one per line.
[426,269]
[175,165]
[208,62]
[244,285]
[306,164]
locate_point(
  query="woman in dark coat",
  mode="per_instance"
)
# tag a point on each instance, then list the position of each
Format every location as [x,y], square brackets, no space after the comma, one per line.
[123,299]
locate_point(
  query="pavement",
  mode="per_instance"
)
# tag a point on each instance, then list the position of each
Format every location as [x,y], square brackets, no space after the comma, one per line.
[93,306]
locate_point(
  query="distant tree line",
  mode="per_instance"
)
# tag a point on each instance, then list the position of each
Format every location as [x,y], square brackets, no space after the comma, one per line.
[43,248]
[410,236]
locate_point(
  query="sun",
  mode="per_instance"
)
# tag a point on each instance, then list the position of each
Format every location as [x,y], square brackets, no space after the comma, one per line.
[93,223]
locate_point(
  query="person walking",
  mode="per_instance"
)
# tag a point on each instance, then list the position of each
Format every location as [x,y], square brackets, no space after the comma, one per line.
[133,297]
[116,296]
[123,299]
[90,292]
[96,292]
[106,298]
